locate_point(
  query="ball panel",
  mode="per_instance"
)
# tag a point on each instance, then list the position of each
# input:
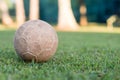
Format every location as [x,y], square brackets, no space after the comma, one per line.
[33,41]
[45,55]
[20,45]
[35,48]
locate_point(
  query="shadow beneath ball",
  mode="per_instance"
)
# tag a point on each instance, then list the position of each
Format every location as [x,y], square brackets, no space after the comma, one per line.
[30,61]
[34,61]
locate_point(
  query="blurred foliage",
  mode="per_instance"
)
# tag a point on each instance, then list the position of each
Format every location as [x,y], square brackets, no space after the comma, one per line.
[26,6]
[117,22]
[10,5]
[49,10]
[97,10]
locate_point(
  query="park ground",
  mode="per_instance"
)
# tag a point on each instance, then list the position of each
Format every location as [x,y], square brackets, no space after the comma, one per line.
[80,56]
[91,27]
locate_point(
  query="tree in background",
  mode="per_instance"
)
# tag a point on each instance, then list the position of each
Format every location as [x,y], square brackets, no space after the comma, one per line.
[34,9]
[20,13]
[6,19]
[83,11]
[110,22]
[66,18]
[114,20]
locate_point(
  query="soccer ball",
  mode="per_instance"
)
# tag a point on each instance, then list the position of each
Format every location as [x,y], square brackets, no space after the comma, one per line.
[35,40]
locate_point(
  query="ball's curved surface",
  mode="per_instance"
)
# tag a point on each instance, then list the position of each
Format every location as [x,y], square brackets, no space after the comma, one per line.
[35,40]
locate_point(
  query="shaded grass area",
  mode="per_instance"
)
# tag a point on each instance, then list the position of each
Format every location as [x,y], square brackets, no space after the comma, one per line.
[80,56]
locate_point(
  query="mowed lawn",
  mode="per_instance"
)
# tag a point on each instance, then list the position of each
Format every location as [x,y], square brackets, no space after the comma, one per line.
[80,56]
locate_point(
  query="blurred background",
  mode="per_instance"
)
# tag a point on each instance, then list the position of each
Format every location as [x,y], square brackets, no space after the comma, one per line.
[64,14]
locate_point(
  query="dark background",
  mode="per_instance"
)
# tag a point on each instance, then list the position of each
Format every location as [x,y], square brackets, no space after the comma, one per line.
[97,10]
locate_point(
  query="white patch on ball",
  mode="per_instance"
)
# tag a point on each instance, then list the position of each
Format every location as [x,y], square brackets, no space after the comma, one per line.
[35,40]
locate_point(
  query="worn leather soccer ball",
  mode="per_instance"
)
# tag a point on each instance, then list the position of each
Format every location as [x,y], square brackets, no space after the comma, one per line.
[35,40]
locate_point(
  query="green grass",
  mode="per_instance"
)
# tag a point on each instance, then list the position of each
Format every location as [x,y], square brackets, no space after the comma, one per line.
[80,56]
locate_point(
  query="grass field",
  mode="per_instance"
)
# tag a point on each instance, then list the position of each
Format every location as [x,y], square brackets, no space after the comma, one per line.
[80,56]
